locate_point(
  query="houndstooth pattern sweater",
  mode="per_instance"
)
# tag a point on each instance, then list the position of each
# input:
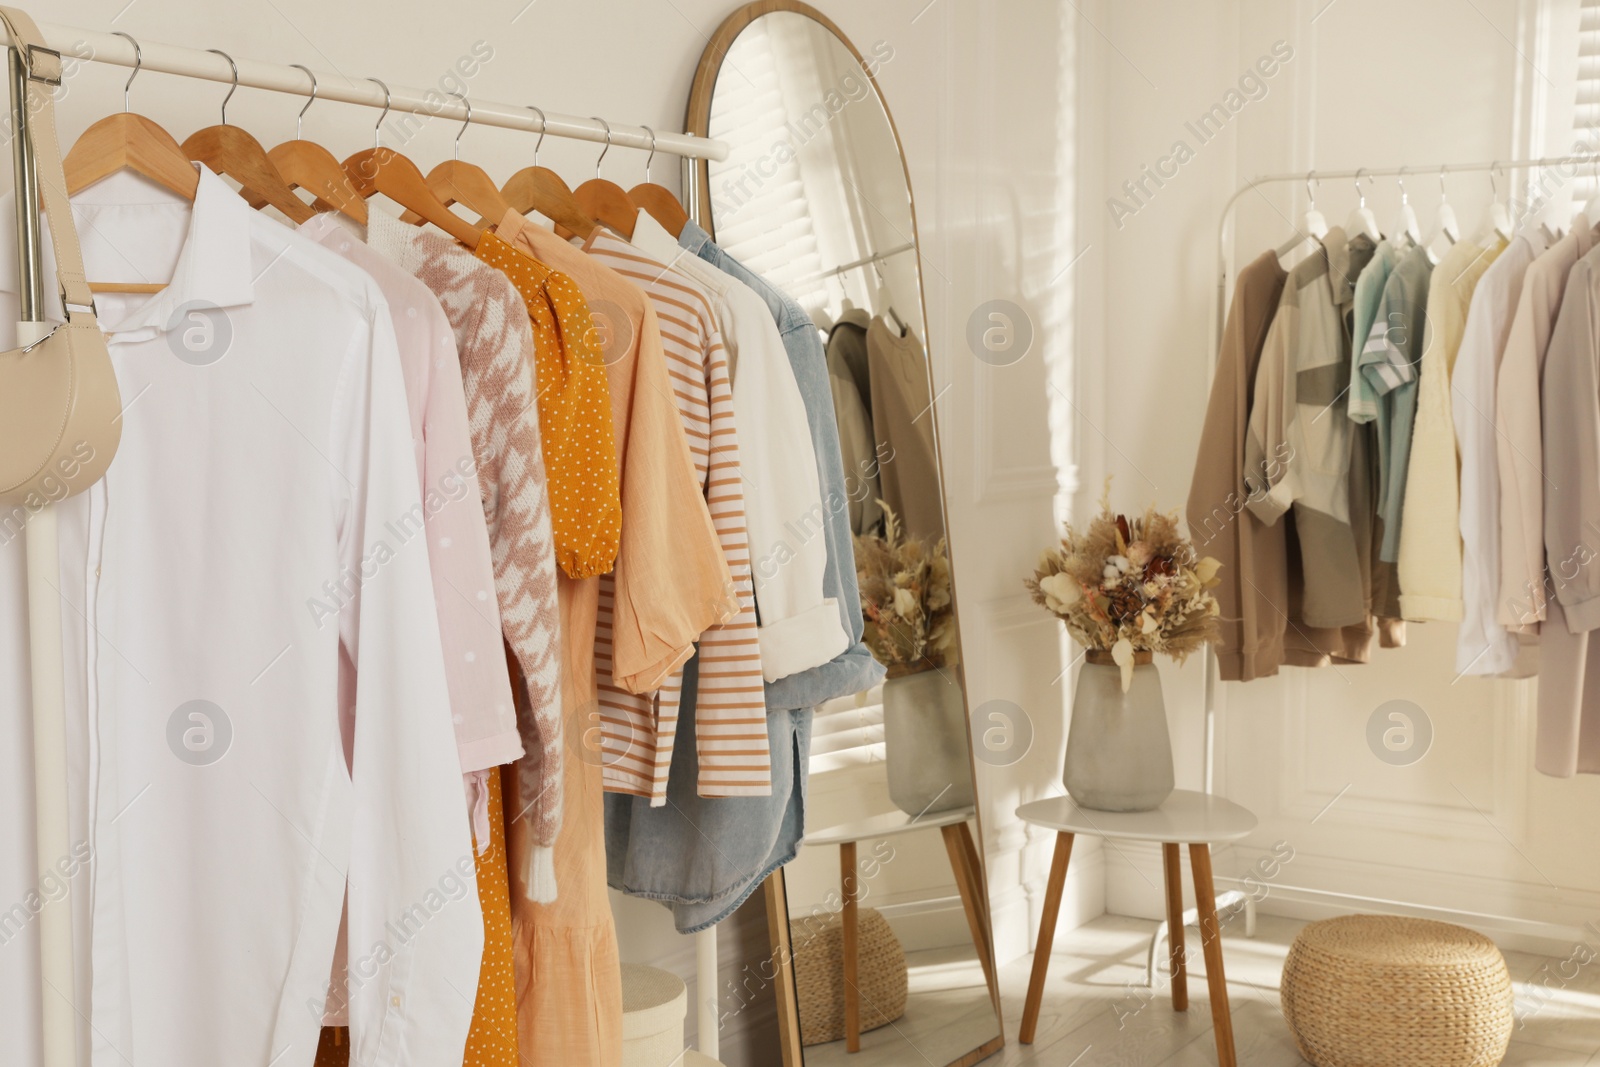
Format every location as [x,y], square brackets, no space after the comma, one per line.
[495,343]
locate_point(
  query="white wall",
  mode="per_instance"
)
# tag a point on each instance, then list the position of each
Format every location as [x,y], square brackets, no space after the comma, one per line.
[1470,826]
[984,96]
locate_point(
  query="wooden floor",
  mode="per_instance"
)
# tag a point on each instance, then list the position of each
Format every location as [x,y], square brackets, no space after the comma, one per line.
[1097,1012]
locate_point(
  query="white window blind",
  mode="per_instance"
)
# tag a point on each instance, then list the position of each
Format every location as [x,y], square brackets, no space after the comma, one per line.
[848,732]
[763,216]
[1586,101]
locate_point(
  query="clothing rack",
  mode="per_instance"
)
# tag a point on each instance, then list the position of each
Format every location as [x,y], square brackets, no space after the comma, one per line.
[1233,897]
[43,565]
[877,257]
[96,47]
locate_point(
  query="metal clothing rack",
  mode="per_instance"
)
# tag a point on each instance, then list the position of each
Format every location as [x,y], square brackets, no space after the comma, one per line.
[1235,898]
[59,1031]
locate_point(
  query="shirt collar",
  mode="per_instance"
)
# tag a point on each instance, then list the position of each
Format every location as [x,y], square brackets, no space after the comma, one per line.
[652,238]
[214,267]
[693,237]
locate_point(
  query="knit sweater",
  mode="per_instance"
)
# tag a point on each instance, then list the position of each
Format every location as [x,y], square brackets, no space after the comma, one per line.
[495,341]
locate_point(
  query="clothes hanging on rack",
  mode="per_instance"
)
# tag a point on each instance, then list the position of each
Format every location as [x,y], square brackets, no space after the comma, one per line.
[603,552]
[1503,369]
[1388,363]
[1519,441]
[1483,646]
[1303,366]
[852,394]
[1429,563]
[1568,737]
[212,610]
[1254,576]
[730,724]
[902,423]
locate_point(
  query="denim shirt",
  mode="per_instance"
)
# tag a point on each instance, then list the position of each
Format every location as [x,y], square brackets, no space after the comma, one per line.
[706,856]
[854,669]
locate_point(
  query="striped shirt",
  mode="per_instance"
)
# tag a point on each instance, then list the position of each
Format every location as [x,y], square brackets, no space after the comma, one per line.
[730,709]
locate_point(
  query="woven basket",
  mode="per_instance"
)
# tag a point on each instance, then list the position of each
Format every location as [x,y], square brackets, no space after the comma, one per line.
[818,944]
[1379,990]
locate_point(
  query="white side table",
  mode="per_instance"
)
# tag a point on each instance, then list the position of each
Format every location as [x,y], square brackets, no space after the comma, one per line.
[1186,818]
[969,883]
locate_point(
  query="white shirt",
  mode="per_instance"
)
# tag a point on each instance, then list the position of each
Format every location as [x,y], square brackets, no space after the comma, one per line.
[266,446]
[784,509]
[1483,647]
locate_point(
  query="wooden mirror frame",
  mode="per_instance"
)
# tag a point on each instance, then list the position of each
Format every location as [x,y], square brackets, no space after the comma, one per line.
[697,198]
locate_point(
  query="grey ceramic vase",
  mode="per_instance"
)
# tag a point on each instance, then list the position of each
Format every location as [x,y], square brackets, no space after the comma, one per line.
[925,743]
[1119,755]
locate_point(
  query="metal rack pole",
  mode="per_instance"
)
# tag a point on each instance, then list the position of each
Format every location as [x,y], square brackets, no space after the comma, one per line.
[94,46]
[52,830]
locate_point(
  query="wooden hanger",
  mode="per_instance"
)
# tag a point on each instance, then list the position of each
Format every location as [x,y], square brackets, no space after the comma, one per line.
[307,165]
[658,200]
[605,201]
[383,170]
[456,182]
[541,189]
[232,151]
[132,142]
[129,142]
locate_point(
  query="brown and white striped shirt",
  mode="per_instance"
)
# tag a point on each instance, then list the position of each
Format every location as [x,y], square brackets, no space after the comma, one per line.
[730,709]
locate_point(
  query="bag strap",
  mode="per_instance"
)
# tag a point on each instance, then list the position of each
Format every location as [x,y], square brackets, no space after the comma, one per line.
[43,73]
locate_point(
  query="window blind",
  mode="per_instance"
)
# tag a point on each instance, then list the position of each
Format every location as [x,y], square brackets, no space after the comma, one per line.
[1586,99]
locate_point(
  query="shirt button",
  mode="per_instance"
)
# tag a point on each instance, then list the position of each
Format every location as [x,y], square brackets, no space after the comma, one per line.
[395,1001]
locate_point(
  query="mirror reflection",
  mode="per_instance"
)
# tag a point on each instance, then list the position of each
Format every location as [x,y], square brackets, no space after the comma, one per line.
[888,913]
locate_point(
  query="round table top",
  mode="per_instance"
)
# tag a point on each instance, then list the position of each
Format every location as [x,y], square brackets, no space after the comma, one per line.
[1186,817]
[888,824]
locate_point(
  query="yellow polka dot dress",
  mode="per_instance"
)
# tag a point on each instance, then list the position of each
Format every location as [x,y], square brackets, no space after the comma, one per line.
[492,1041]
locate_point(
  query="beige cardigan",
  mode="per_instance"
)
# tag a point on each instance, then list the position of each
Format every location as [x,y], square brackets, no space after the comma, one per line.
[1430,538]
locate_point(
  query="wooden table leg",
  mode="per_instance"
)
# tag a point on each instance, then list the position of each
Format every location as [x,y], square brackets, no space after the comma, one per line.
[971,899]
[1172,866]
[1047,936]
[852,994]
[1211,940]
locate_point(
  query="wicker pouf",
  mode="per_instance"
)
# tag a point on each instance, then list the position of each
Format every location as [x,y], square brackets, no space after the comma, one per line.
[1379,991]
[818,946]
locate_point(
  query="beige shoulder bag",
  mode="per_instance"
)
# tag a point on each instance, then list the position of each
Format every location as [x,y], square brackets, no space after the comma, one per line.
[59,403]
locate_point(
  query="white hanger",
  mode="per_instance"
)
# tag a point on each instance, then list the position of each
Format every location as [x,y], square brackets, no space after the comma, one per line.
[1445,221]
[1408,227]
[1444,225]
[1362,220]
[1499,217]
[1315,226]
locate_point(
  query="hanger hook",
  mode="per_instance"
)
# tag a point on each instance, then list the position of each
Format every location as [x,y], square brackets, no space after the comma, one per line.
[376,126]
[1494,185]
[1400,176]
[652,154]
[313,99]
[455,148]
[607,148]
[1444,194]
[138,61]
[1311,187]
[1361,197]
[540,142]
[232,88]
